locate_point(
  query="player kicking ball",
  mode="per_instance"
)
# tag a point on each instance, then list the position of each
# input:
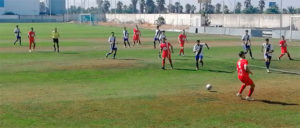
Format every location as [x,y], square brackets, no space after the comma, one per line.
[17,31]
[283,46]
[182,40]
[31,37]
[113,46]
[136,36]
[267,49]
[166,52]
[55,36]
[126,38]
[198,50]
[247,43]
[243,75]
[156,37]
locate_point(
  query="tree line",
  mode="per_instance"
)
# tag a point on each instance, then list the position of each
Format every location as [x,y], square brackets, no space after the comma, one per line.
[159,6]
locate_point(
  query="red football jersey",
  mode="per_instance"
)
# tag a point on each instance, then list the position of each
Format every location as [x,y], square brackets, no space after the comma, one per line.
[241,68]
[136,31]
[182,38]
[31,35]
[165,47]
[282,43]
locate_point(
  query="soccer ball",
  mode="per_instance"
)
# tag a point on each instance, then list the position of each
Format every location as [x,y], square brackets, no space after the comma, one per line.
[208,87]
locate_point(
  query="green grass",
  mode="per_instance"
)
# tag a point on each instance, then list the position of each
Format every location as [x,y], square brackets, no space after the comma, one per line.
[79,88]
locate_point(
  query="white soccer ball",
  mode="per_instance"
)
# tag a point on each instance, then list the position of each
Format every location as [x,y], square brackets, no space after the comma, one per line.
[208,87]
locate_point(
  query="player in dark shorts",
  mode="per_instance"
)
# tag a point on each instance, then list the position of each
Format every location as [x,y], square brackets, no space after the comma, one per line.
[17,31]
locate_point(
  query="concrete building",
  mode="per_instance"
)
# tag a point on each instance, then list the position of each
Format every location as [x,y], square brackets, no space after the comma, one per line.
[20,7]
[1,7]
[57,7]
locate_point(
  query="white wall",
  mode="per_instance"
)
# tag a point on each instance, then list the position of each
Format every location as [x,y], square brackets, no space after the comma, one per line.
[22,7]
[171,19]
[227,20]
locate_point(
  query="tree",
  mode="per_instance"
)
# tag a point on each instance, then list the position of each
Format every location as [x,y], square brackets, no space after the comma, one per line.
[261,5]
[119,7]
[177,7]
[43,8]
[291,10]
[150,6]
[188,8]
[180,9]
[106,6]
[218,8]
[134,2]
[193,9]
[171,8]
[142,6]
[272,10]
[251,10]
[247,4]
[161,5]
[226,9]
[100,6]
[238,7]
[285,11]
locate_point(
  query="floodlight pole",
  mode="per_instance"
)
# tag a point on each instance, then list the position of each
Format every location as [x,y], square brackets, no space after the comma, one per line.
[50,7]
[281,16]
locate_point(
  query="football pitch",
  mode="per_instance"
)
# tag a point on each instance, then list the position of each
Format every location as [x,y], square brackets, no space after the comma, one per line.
[79,88]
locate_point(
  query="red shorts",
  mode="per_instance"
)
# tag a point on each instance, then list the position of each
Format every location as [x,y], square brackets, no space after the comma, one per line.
[166,55]
[136,37]
[31,41]
[246,80]
[283,50]
[182,44]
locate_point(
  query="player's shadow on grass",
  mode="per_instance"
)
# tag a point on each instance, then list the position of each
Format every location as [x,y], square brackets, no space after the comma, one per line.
[217,71]
[276,102]
[70,52]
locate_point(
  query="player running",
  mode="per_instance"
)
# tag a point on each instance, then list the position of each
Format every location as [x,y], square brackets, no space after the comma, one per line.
[283,46]
[267,49]
[243,75]
[31,37]
[113,46]
[247,43]
[55,36]
[165,49]
[17,32]
[126,37]
[198,50]
[156,37]
[182,39]
[136,35]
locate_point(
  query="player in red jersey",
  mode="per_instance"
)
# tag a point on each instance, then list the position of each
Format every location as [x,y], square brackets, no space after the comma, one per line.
[283,46]
[165,49]
[136,35]
[243,75]
[31,36]
[182,39]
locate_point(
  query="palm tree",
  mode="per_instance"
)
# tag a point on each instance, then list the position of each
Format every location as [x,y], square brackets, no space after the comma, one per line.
[261,5]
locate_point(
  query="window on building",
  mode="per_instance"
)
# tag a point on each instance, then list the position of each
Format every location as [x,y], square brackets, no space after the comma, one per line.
[1,3]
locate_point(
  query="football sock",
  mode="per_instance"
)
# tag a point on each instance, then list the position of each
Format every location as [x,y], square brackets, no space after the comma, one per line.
[251,91]
[242,88]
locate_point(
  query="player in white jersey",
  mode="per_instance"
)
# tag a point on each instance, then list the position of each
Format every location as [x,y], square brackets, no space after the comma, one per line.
[112,40]
[156,37]
[247,43]
[162,36]
[267,49]
[17,31]
[198,50]
[126,37]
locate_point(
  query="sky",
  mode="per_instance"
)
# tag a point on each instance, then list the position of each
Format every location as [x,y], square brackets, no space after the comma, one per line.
[230,3]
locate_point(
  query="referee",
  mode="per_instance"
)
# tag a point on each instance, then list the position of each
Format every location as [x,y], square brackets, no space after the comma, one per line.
[55,36]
